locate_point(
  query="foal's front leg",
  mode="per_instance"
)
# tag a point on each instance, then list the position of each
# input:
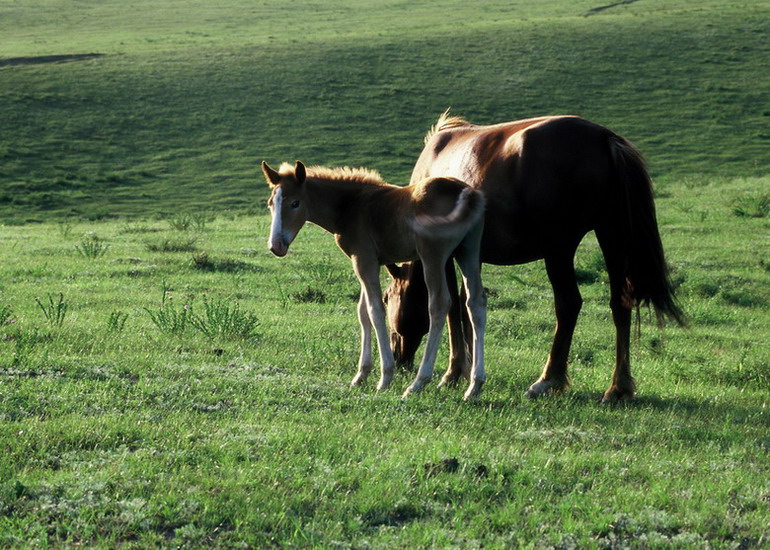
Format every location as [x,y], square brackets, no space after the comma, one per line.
[368,272]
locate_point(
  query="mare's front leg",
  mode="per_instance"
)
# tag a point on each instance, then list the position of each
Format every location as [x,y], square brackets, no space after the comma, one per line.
[365,359]
[368,273]
[438,306]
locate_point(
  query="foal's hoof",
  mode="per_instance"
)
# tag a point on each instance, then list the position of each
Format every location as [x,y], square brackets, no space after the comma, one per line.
[415,387]
[358,380]
[474,390]
[384,383]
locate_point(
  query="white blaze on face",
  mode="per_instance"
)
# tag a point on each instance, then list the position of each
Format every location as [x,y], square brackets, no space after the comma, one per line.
[276,241]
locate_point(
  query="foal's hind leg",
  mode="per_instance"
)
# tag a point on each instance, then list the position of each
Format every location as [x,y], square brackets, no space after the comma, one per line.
[438,306]
[567,302]
[467,256]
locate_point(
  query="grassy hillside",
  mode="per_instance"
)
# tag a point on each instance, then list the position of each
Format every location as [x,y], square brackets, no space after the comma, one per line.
[188,97]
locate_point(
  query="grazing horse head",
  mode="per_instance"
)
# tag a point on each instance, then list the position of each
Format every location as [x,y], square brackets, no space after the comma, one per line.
[287,203]
[406,301]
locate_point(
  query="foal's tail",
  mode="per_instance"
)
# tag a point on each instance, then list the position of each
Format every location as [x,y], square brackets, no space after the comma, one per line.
[647,274]
[467,211]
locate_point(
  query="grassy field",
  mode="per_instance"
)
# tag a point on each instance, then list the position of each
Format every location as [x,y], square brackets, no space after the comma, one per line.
[165,382]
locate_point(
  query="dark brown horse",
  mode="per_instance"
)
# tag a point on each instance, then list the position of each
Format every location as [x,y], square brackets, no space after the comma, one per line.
[548,181]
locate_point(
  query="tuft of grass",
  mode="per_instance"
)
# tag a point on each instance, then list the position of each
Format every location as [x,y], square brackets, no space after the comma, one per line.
[54,310]
[172,244]
[92,246]
[752,206]
[187,221]
[309,295]
[116,322]
[224,319]
[167,318]
[65,228]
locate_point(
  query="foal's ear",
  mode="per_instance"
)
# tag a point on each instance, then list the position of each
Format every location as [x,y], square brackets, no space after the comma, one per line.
[272,177]
[394,270]
[299,172]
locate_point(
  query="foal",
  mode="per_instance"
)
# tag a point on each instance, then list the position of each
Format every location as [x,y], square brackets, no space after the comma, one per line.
[375,223]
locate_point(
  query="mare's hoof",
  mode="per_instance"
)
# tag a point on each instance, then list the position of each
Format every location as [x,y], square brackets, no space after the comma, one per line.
[449,380]
[538,389]
[615,395]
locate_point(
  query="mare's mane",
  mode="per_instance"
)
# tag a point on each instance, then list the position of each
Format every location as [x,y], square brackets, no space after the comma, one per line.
[341,173]
[445,122]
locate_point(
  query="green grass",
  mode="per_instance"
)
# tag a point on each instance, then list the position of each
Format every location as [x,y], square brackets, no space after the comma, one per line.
[148,437]
[124,425]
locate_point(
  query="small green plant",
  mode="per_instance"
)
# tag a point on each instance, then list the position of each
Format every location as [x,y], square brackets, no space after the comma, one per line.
[55,310]
[65,228]
[225,320]
[752,206]
[6,314]
[116,322]
[167,318]
[91,246]
[180,222]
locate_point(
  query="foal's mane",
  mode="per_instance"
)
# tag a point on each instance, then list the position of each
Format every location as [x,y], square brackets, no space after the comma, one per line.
[444,122]
[344,173]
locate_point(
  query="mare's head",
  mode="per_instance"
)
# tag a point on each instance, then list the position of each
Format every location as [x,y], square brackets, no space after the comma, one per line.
[406,302]
[287,205]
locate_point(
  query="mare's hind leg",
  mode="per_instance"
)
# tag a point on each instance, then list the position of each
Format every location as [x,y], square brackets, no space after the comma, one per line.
[623,386]
[365,359]
[567,302]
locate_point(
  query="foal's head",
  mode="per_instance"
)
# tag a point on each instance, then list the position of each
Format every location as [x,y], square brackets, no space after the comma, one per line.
[406,302]
[287,205]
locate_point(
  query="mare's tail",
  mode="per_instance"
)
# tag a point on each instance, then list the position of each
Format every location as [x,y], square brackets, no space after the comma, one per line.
[647,274]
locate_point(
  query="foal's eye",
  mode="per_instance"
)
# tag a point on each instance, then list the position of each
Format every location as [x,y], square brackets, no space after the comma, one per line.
[294,204]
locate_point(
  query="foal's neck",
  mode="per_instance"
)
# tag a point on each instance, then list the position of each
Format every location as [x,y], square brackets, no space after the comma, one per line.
[332,201]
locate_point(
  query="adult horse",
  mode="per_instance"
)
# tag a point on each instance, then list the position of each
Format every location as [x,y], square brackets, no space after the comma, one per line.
[376,223]
[548,181]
